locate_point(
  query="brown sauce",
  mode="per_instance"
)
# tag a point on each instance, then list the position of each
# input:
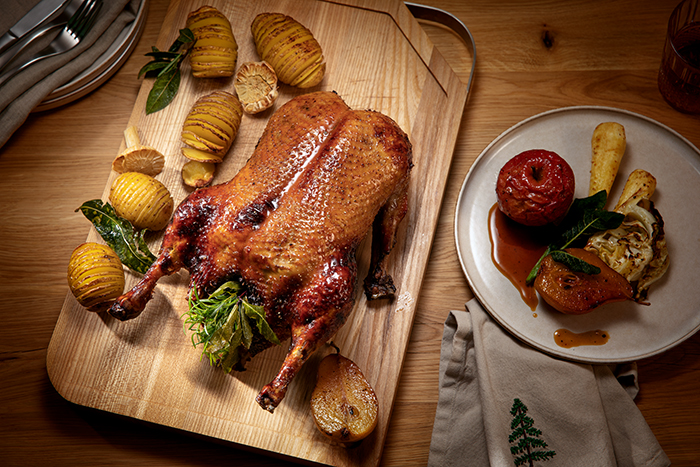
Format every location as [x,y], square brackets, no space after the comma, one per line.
[568,339]
[515,250]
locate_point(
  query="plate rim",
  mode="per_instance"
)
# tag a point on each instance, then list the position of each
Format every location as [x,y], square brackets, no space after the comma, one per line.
[479,295]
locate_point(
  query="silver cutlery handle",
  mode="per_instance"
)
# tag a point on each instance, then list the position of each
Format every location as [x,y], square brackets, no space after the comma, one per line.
[18,47]
[6,41]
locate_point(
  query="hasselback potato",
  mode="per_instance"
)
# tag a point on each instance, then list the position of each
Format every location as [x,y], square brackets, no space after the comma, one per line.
[215,50]
[211,126]
[290,49]
[142,200]
[95,275]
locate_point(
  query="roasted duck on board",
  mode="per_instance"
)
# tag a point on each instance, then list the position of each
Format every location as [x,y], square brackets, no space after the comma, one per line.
[287,225]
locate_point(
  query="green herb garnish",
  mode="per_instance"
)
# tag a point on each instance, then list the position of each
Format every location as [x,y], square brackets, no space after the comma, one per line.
[120,235]
[165,67]
[586,216]
[221,323]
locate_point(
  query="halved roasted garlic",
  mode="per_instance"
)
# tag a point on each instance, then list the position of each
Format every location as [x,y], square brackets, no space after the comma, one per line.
[137,157]
[95,276]
[256,86]
[142,200]
[290,49]
[211,126]
[215,50]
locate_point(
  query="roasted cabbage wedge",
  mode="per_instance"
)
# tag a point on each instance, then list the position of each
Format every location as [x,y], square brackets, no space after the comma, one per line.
[637,249]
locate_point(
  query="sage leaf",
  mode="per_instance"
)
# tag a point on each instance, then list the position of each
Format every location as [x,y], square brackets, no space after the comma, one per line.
[167,64]
[585,217]
[574,263]
[161,56]
[186,37]
[164,90]
[119,234]
[258,315]
[151,67]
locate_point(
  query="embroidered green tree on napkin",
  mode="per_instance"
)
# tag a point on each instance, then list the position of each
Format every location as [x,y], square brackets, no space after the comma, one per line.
[526,436]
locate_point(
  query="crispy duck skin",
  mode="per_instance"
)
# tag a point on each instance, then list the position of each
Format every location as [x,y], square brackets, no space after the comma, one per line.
[288,224]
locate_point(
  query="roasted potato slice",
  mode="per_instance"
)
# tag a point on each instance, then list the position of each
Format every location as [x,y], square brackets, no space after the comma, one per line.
[608,145]
[198,174]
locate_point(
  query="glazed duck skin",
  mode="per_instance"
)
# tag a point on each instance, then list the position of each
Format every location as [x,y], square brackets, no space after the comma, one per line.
[288,224]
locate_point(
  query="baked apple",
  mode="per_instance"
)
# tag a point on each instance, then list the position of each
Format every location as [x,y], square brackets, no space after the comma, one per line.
[535,188]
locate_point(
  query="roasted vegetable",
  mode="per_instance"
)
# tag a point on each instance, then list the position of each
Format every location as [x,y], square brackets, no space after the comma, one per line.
[578,292]
[198,174]
[289,48]
[343,403]
[608,145]
[211,126]
[95,276]
[256,86]
[215,50]
[637,248]
[138,158]
[142,200]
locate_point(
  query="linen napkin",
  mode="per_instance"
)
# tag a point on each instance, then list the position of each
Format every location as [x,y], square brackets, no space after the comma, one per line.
[495,391]
[19,95]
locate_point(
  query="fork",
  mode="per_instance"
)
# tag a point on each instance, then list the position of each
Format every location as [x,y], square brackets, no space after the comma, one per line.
[58,22]
[74,31]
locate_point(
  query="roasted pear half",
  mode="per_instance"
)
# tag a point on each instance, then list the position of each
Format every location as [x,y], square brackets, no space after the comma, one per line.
[576,293]
[343,403]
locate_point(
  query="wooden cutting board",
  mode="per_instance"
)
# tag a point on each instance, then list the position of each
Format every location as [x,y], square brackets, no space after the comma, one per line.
[378,57]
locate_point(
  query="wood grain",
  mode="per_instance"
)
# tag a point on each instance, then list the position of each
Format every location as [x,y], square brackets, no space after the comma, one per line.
[532,56]
[147,368]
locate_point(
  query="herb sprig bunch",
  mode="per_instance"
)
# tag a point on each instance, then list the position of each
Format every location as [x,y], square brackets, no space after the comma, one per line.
[586,216]
[165,67]
[221,323]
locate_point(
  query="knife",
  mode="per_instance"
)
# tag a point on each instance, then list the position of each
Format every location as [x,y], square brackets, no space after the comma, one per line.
[37,15]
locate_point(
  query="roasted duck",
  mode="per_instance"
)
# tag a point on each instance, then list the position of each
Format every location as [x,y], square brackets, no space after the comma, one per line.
[287,225]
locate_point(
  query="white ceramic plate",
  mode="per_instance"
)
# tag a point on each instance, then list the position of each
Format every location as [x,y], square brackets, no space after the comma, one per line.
[636,331]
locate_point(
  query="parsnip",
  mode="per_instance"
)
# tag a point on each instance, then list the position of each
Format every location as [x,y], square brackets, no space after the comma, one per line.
[608,145]
[640,185]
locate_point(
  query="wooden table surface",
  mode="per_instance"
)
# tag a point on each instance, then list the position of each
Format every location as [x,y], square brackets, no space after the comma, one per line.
[532,56]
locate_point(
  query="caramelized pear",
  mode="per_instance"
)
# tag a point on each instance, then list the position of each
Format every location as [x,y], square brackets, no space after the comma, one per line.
[577,293]
[343,403]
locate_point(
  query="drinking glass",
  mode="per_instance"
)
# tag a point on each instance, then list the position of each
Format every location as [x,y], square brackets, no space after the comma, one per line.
[679,74]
